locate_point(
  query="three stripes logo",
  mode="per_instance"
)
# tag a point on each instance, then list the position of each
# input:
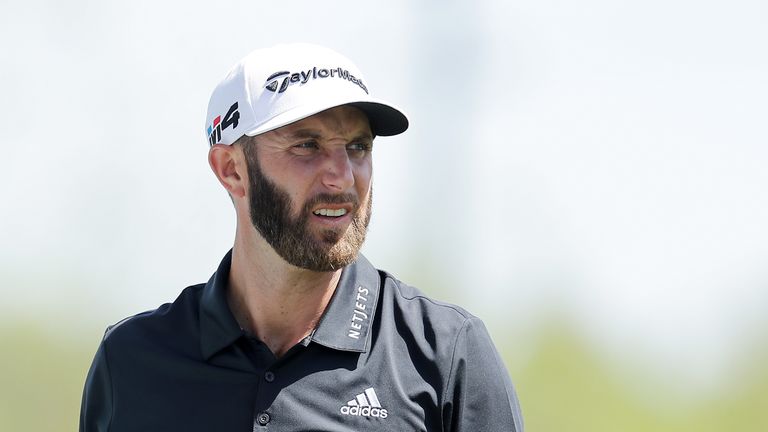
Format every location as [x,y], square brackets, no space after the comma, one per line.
[365,404]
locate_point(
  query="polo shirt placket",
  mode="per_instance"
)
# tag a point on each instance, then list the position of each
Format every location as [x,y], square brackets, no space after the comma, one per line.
[344,327]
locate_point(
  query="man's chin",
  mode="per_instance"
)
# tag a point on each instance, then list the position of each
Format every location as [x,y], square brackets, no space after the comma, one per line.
[325,264]
[340,253]
[330,238]
[321,254]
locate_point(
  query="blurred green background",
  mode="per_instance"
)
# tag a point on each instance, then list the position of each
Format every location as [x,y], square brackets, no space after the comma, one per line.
[564,385]
[588,178]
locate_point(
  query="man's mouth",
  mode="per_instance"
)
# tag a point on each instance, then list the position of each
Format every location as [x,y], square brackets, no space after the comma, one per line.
[330,212]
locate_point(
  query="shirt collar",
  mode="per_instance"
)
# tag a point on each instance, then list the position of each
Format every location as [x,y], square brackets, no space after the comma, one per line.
[218,327]
[345,324]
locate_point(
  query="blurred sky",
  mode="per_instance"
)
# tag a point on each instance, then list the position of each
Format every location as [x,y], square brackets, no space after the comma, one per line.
[602,162]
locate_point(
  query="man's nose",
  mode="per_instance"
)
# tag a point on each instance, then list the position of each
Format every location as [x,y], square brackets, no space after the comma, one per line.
[337,171]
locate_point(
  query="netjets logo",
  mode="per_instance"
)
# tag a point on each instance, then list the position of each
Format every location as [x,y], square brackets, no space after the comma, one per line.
[366,404]
[279,82]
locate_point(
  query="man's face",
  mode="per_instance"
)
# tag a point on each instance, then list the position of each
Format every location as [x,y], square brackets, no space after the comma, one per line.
[310,188]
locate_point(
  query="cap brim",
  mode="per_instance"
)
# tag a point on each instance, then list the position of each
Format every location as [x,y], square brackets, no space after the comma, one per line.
[384,118]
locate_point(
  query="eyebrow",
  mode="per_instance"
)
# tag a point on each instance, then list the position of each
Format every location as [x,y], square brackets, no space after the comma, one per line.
[304,133]
[314,134]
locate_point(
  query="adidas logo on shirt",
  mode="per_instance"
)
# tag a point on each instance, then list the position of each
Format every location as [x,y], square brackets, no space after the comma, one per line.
[365,404]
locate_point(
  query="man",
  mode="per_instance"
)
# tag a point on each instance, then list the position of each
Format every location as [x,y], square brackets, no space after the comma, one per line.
[295,330]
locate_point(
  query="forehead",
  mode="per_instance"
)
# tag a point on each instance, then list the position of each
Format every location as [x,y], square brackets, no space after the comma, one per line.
[343,121]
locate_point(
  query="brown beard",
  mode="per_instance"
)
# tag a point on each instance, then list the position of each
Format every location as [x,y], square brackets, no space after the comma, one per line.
[270,211]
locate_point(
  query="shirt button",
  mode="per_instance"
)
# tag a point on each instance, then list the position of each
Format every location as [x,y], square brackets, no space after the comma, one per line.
[269,376]
[263,419]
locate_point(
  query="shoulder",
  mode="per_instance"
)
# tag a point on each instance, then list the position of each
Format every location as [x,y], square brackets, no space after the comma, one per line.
[415,301]
[475,389]
[432,325]
[160,325]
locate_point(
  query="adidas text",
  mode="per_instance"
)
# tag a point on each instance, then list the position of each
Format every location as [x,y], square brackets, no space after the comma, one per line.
[364,411]
[366,404]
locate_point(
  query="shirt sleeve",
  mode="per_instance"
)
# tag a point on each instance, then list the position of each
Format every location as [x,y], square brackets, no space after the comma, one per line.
[479,395]
[96,406]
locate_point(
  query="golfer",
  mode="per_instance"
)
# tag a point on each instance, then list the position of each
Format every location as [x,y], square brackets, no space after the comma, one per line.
[296,330]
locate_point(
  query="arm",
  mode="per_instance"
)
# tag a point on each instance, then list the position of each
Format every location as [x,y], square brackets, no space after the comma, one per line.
[479,395]
[96,407]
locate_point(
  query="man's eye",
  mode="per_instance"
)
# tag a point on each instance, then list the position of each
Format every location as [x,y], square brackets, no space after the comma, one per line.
[360,147]
[305,148]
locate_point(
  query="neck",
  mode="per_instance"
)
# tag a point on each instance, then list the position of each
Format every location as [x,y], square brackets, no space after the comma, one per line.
[277,302]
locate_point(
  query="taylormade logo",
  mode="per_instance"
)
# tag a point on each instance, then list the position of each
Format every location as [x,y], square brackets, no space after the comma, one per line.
[278,82]
[366,404]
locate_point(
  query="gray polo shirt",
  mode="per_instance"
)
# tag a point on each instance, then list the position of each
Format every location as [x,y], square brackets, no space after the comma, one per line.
[383,358]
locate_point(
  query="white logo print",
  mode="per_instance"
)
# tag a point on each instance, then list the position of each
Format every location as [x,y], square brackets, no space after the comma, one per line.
[365,404]
[358,314]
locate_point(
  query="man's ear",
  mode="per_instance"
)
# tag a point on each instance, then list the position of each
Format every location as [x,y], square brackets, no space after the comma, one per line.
[228,163]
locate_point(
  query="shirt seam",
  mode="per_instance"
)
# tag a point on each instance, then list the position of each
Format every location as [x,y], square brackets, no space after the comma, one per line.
[111,387]
[451,370]
[463,313]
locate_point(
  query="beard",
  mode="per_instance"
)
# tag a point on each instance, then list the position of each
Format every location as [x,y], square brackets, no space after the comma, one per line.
[291,238]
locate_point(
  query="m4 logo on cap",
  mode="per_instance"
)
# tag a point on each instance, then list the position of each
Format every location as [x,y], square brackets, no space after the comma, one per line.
[231,118]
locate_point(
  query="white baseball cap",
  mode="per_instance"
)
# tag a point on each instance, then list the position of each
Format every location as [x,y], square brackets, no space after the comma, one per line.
[276,86]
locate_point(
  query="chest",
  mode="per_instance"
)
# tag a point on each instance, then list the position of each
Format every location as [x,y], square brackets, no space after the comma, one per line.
[313,390]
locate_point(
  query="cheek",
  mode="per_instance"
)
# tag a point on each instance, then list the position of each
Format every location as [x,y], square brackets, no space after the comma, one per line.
[363,174]
[291,183]
[290,176]
[363,187]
